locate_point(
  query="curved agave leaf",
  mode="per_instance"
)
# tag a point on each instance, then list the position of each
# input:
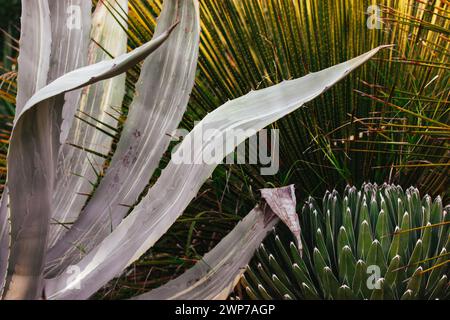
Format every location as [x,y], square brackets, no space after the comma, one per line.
[216,275]
[280,200]
[76,167]
[163,91]
[5,239]
[181,180]
[54,40]
[31,168]
[35,48]
[70,29]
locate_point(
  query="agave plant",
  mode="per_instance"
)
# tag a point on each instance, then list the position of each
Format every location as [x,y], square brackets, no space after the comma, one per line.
[372,243]
[57,245]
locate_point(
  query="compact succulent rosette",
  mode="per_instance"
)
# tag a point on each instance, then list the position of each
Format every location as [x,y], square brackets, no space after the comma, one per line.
[378,242]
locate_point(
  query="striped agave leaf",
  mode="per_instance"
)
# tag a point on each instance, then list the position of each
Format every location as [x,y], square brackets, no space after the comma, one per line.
[30,179]
[216,275]
[50,49]
[69,51]
[77,168]
[35,47]
[180,181]
[163,91]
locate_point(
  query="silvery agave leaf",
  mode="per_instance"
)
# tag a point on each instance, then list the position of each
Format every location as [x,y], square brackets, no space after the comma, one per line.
[280,200]
[215,276]
[161,98]
[50,47]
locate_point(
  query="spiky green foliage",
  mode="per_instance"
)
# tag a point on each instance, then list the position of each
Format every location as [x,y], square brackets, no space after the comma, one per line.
[363,244]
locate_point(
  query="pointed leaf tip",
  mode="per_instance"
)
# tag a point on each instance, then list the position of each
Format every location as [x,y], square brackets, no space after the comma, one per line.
[282,201]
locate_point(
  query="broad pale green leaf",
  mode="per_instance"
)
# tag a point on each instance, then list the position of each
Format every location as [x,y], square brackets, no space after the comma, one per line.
[347,264]
[364,239]
[375,256]
[161,98]
[440,288]
[345,293]
[331,284]
[320,244]
[414,283]
[414,260]
[359,285]
[31,168]
[393,273]
[77,168]
[181,180]
[436,273]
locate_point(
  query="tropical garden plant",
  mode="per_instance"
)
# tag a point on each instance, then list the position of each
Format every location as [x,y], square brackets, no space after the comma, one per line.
[108,189]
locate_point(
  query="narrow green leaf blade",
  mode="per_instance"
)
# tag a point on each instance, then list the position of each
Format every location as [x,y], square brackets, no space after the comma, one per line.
[75,169]
[216,275]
